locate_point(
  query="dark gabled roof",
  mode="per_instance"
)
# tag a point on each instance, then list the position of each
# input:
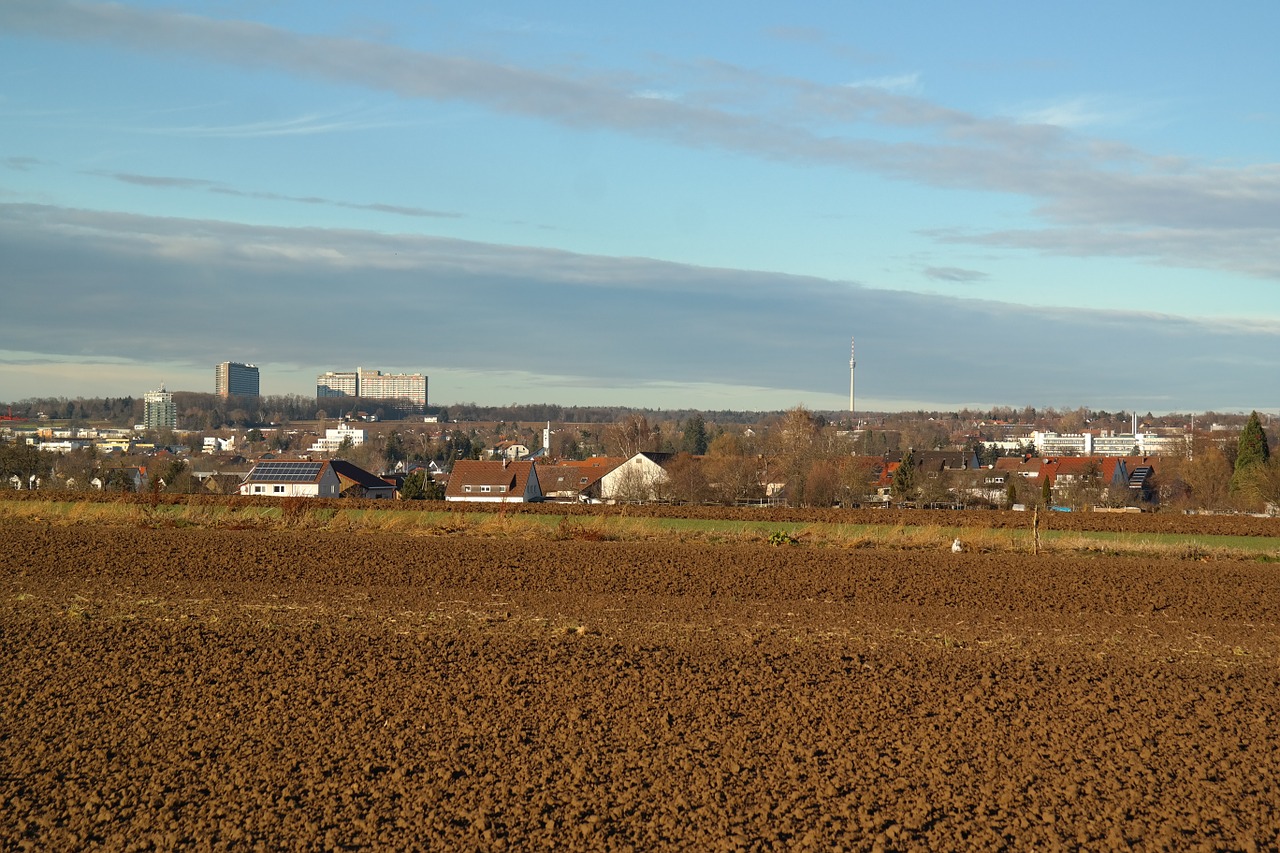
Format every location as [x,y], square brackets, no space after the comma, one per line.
[1141,475]
[358,475]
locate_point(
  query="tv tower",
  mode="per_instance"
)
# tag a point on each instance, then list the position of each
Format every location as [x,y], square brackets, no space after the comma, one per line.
[853,362]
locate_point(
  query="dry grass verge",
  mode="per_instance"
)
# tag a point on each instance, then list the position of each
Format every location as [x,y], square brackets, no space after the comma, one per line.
[441,520]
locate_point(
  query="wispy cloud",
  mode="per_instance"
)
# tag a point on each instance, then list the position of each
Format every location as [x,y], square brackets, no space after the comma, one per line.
[1085,191]
[306,125]
[815,37]
[394,209]
[1076,113]
[22,164]
[954,274]
[168,182]
[160,181]
[905,84]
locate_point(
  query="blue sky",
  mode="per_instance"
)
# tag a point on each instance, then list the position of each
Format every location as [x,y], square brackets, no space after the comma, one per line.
[673,205]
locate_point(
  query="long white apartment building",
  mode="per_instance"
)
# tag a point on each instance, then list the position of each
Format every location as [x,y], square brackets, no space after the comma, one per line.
[1106,443]
[374,385]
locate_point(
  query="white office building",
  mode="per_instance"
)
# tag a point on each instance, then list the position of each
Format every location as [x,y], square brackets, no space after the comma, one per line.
[1106,443]
[334,438]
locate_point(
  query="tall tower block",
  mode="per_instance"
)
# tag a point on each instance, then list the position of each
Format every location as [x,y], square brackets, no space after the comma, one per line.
[853,362]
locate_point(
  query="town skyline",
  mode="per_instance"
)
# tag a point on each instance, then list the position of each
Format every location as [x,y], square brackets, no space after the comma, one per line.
[587,205]
[326,396]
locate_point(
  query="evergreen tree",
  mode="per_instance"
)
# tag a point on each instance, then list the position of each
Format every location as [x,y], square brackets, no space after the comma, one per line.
[420,487]
[1010,492]
[1252,450]
[1046,490]
[695,436]
[904,478]
[394,450]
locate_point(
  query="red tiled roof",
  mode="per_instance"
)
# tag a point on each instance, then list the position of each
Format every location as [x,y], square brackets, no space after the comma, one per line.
[471,472]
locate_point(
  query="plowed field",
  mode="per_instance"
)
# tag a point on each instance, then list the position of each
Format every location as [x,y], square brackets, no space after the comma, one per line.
[317,690]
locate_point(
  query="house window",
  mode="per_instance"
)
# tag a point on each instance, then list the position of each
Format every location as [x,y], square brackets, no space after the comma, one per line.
[257,490]
[278,489]
[484,488]
[502,488]
[466,488]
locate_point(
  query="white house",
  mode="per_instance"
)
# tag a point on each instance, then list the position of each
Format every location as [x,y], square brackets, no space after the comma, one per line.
[510,450]
[640,478]
[292,479]
[214,444]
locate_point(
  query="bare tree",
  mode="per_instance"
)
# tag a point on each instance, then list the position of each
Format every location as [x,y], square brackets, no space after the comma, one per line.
[792,448]
[854,479]
[687,479]
[1203,480]
[732,468]
[821,483]
[630,436]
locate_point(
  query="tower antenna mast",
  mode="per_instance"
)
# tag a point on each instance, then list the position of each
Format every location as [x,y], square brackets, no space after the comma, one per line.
[853,362]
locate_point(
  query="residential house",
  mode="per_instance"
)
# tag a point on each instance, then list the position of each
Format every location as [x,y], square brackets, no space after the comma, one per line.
[1076,480]
[494,481]
[292,479]
[937,461]
[355,482]
[937,474]
[1142,477]
[575,480]
[220,482]
[641,478]
[510,450]
[127,478]
[214,444]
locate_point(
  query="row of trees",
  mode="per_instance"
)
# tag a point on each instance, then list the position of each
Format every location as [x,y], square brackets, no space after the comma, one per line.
[821,463]
[822,467]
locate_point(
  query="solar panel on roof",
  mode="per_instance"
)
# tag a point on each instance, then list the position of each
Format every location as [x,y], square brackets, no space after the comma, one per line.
[287,472]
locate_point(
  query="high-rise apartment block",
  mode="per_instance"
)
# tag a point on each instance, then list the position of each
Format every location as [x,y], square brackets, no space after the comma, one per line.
[159,410]
[374,385]
[233,379]
[331,384]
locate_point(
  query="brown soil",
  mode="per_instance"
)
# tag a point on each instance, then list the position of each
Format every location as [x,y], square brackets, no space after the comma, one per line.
[216,688]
